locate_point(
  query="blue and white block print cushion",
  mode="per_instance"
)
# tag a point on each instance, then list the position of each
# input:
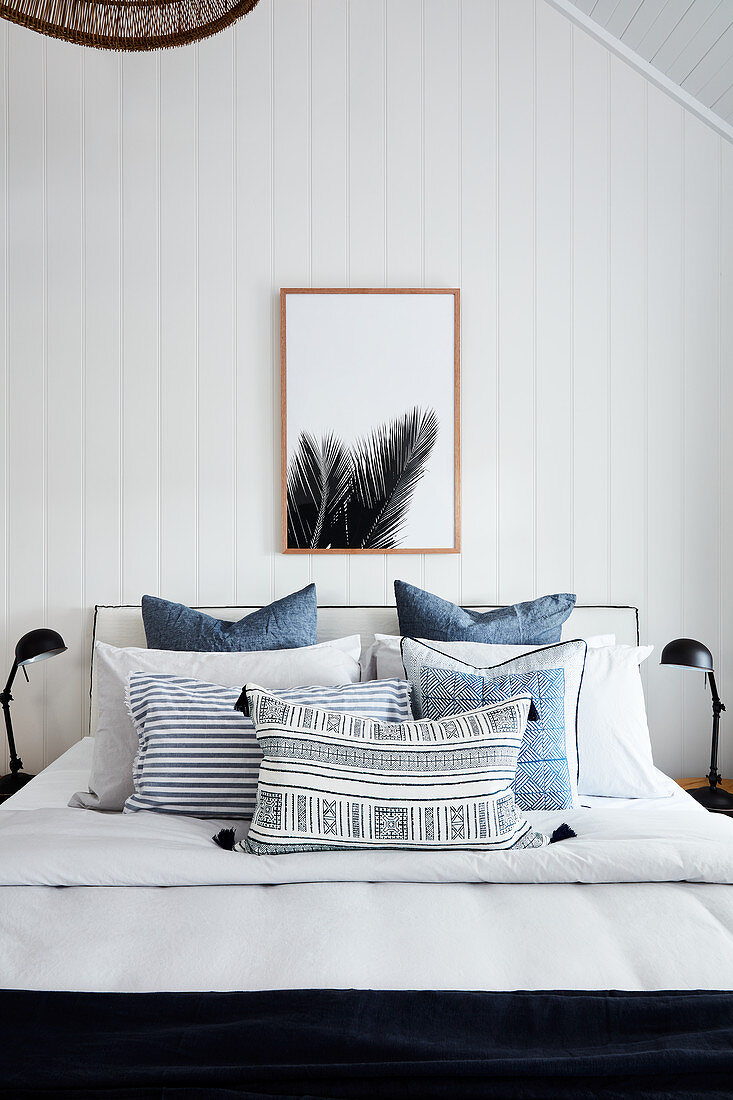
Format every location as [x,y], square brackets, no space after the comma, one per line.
[334,781]
[547,765]
[542,781]
[198,756]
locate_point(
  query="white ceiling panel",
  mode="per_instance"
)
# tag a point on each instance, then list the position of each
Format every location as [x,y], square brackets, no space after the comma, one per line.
[641,23]
[724,106]
[710,66]
[622,16]
[711,91]
[670,24]
[691,32]
[603,10]
[685,46]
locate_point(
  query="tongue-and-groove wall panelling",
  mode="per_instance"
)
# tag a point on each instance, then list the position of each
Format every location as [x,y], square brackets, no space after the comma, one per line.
[153,205]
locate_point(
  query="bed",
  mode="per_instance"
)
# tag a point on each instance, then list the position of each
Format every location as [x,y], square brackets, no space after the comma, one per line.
[153,963]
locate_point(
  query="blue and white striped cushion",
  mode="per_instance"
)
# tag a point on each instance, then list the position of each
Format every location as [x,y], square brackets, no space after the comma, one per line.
[198,756]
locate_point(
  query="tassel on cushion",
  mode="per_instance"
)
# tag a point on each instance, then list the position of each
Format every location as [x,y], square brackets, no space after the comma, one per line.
[562,832]
[242,703]
[225,839]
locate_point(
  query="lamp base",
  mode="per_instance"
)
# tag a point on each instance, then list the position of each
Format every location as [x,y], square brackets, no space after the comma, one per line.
[713,798]
[12,782]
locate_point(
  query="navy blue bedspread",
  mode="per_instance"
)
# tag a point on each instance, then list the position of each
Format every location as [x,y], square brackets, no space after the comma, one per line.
[355,1044]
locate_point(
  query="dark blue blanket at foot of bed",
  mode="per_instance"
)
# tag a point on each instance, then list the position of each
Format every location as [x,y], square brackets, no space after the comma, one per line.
[359,1044]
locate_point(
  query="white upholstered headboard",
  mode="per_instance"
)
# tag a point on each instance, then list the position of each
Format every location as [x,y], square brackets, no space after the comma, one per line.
[123,626]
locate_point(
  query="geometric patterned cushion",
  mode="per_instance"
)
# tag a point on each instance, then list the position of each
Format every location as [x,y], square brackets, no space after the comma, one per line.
[198,756]
[547,771]
[542,781]
[335,781]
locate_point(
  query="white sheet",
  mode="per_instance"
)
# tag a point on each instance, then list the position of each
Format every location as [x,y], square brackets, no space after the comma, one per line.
[639,901]
[57,847]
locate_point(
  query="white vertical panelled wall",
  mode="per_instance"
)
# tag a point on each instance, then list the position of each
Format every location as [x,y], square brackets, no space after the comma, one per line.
[152,206]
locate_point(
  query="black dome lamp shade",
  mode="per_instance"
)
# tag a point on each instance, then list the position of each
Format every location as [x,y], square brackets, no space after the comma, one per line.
[126,24]
[688,653]
[38,645]
[35,646]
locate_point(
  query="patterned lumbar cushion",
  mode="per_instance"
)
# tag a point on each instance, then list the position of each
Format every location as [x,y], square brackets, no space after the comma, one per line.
[331,780]
[287,623]
[547,766]
[199,756]
[537,622]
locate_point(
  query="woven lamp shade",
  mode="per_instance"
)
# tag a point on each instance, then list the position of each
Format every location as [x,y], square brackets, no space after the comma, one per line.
[126,24]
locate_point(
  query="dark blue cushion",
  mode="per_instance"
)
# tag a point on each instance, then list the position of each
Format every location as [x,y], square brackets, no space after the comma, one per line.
[537,622]
[285,624]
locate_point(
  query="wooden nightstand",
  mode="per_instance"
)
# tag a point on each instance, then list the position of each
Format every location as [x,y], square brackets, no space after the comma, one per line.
[727,785]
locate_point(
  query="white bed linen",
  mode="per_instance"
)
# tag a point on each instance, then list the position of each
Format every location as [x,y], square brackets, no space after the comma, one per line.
[641,900]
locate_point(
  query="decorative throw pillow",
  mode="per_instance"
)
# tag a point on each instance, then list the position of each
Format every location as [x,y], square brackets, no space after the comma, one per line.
[115,739]
[542,780]
[330,781]
[547,766]
[613,735]
[285,624]
[199,756]
[538,622]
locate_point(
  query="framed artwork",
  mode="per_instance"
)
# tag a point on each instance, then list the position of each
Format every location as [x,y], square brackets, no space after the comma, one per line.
[370,421]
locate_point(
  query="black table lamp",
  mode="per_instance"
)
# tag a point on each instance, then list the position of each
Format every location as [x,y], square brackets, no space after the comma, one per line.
[687,653]
[34,646]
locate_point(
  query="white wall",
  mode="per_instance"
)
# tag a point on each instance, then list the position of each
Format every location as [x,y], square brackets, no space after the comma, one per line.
[153,205]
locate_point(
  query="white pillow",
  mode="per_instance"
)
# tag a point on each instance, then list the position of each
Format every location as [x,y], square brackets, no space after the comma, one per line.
[614,748]
[383,660]
[327,664]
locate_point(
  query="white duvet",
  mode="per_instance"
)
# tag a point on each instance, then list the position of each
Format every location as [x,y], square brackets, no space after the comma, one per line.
[641,899]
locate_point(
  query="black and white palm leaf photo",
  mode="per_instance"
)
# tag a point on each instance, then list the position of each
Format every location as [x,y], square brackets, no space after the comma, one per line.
[370,421]
[358,497]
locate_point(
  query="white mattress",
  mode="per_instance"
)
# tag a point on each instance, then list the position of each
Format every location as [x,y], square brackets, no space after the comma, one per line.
[641,900]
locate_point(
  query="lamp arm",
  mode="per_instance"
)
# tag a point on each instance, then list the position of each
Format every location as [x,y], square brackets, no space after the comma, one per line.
[714,776]
[714,690]
[16,764]
[6,693]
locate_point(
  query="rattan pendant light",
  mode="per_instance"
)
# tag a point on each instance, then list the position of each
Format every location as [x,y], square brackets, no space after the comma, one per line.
[126,24]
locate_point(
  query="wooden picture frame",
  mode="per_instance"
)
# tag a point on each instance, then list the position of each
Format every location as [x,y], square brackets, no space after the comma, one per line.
[389,485]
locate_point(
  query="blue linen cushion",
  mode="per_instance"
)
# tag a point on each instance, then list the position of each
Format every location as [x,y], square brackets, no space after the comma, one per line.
[537,622]
[333,781]
[547,765]
[288,623]
[199,757]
